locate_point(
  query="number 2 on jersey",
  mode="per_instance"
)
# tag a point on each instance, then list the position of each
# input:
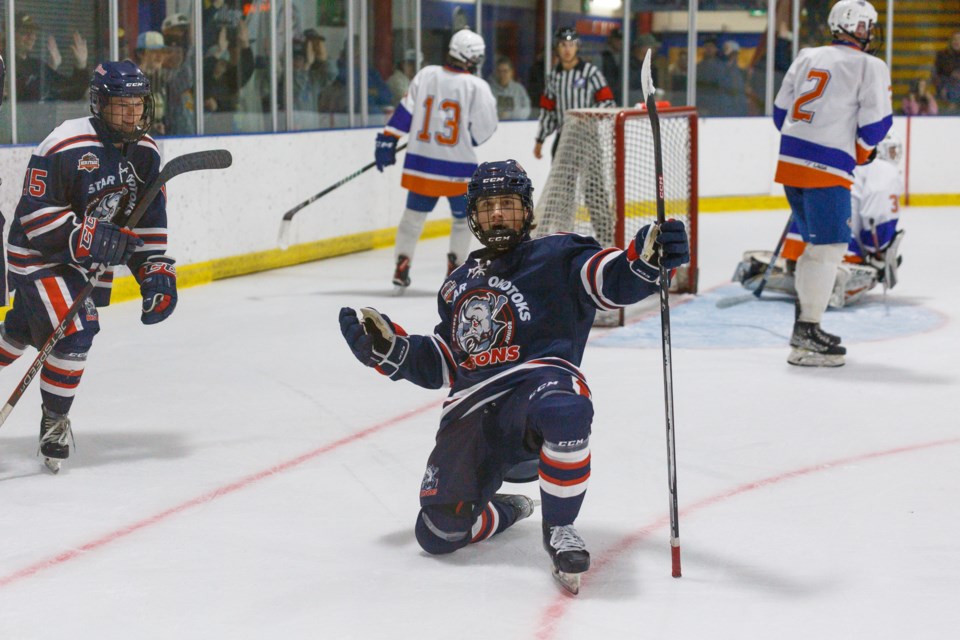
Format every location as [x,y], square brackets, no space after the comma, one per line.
[820,77]
[451,131]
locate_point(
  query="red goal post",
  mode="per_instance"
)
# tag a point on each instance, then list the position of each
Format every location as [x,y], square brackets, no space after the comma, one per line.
[602,181]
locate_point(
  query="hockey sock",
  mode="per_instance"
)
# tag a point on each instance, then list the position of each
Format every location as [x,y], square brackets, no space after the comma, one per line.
[460,236]
[564,471]
[10,349]
[815,276]
[408,232]
[494,519]
[59,380]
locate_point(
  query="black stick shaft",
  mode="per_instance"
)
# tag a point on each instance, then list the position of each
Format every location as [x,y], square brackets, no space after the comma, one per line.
[665,341]
[773,260]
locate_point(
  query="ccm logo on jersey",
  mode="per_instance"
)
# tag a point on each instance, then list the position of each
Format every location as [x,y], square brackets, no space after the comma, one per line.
[88,162]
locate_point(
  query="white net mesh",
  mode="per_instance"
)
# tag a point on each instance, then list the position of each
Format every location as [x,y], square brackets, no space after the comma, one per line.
[581,193]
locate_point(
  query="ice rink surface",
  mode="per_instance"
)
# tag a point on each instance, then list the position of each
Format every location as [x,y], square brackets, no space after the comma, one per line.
[237,474]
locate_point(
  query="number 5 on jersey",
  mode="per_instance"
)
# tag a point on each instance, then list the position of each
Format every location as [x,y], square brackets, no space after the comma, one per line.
[820,78]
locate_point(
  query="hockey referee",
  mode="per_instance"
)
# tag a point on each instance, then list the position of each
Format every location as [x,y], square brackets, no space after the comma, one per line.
[572,84]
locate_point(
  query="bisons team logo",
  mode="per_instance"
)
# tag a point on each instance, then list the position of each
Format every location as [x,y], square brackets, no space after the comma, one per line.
[431,480]
[89,162]
[485,329]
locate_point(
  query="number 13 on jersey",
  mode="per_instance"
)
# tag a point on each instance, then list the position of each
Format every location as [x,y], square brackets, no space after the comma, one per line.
[450,133]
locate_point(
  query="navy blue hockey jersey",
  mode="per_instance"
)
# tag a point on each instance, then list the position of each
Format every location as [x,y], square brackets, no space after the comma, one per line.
[505,318]
[73,174]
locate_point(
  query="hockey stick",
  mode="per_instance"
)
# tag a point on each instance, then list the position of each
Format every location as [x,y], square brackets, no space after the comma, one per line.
[725,303]
[646,79]
[197,161]
[283,239]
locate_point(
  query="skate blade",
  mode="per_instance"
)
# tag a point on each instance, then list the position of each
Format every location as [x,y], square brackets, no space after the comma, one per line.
[52,465]
[569,581]
[807,358]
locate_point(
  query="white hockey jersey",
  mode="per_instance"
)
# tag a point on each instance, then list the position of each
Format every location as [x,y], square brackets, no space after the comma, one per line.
[876,205]
[832,109]
[447,112]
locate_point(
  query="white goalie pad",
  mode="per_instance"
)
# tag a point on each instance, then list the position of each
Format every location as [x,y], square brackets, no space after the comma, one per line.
[852,283]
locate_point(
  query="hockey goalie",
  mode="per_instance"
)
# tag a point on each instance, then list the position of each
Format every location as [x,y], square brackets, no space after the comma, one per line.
[873,254]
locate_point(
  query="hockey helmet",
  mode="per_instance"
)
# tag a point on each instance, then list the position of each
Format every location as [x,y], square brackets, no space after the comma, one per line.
[890,149]
[467,48]
[501,178]
[121,80]
[565,34]
[848,15]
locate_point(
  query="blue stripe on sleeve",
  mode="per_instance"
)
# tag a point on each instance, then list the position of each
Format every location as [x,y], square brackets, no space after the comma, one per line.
[872,134]
[805,150]
[400,119]
[779,115]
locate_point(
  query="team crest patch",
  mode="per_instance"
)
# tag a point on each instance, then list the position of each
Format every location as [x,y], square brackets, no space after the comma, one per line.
[431,480]
[91,310]
[88,162]
[446,291]
[484,328]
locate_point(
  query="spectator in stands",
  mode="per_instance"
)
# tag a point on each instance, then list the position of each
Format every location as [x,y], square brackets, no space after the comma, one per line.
[710,74]
[180,117]
[611,65]
[513,103]
[333,99]
[946,62]
[150,56]
[317,59]
[919,102]
[38,80]
[310,76]
[218,14]
[950,93]
[732,82]
[677,78]
[403,74]
[227,66]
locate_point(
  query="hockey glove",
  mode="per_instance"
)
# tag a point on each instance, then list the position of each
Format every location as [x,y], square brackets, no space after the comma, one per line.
[377,342]
[99,242]
[666,242]
[158,286]
[385,152]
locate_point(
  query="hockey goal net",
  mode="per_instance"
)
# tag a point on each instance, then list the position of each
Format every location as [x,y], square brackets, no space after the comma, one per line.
[602,181]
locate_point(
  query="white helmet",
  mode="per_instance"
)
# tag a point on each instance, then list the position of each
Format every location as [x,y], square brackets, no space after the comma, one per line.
[890,149]
[467,47]
[847,15]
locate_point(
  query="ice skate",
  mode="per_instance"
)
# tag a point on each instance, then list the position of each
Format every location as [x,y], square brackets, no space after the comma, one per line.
[812,347]
[522,505]
[55,432]
[452,263]
[823,336]
[401,276]
[568,553]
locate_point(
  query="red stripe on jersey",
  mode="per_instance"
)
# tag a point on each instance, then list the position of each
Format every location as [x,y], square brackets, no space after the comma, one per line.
[75,139]
[58,302]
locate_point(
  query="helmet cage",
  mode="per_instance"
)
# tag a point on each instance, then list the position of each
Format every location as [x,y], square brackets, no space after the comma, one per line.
[121,80]
[498,179]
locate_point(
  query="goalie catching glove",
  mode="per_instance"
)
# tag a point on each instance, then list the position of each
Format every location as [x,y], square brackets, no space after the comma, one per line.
[658,243]
[377,342]
[158,286]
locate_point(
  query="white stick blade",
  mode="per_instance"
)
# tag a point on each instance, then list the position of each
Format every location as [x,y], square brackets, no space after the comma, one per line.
[284,238]
[646,77]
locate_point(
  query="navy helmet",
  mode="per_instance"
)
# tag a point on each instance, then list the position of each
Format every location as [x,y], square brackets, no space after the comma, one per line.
[121,80]
[504,177]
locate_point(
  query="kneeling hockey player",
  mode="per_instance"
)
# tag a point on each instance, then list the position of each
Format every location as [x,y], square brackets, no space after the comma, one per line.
[514,321]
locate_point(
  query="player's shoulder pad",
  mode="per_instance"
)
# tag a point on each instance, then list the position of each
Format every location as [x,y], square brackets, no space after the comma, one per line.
[565,240]
[69,135]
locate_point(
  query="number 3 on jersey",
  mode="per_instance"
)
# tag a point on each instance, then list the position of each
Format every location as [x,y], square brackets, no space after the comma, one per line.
[820,78]
[451,125]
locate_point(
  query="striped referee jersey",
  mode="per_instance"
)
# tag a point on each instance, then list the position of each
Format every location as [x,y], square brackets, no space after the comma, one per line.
[578,88]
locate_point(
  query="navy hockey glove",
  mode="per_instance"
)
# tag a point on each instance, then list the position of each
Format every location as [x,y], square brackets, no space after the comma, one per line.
[670,238]
[385,152]
[158,286]
[377,342]
[96,241]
